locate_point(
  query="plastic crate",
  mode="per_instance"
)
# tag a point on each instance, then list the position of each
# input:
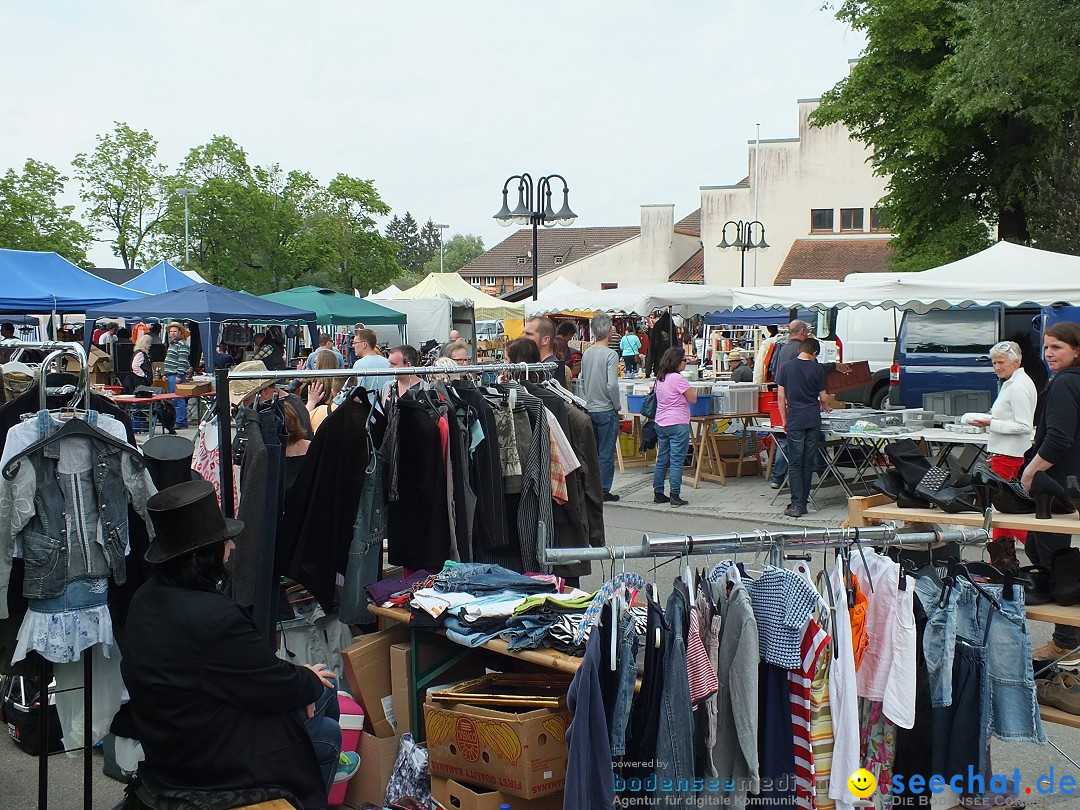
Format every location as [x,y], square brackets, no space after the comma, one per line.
[703,406]
[633,403]
[956,403]
[918,418]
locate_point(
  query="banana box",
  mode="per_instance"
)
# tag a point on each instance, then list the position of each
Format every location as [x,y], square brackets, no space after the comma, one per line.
[518,749]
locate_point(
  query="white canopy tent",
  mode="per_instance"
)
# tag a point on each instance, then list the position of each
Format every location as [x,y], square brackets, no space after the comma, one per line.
[684,299]
[382,295]
[1005,273]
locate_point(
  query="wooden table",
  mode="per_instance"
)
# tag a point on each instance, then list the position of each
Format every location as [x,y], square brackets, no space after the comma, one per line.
[130,403]
[703,438]
[873,508]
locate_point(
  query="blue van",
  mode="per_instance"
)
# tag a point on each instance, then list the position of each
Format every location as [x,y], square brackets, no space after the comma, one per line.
[948,349]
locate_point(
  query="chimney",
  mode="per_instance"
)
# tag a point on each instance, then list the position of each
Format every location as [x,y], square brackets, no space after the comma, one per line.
[656,259]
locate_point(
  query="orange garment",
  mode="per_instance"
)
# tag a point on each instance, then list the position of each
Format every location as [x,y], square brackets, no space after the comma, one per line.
[860,639]
[138,330]
[768,359]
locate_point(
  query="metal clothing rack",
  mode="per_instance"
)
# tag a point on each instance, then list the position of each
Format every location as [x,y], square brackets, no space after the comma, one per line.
[59,349]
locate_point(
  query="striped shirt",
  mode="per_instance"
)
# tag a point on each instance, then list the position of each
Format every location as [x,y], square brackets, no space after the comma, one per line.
[699,668]
[821,733]
[814,640]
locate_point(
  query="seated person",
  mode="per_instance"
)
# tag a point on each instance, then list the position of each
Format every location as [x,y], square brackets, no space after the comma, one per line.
[212,705]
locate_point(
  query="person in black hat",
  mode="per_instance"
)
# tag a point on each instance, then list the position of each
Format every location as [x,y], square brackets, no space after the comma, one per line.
[214,708]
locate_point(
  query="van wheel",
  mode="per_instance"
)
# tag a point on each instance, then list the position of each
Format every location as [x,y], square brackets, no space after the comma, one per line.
[879,400]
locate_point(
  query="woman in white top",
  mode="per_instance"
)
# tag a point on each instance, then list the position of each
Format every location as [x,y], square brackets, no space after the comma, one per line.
[1011,426]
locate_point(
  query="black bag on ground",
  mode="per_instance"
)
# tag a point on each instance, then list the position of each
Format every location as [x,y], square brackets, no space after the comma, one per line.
[21,712]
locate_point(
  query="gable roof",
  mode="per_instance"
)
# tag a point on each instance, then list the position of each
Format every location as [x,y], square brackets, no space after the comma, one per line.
[833,259]
[690,225]
[570,244]
[692,271]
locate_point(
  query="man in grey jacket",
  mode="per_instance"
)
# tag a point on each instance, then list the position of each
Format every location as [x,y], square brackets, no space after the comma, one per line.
[600,388]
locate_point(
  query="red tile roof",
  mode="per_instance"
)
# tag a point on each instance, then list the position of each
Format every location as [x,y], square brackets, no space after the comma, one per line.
[692,271]
[690,225]
[833,259]
[568,243]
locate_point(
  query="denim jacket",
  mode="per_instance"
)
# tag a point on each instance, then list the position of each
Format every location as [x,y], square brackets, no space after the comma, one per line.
[67,503]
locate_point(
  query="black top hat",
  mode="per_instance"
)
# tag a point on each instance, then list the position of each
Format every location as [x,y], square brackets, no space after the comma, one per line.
[168,460]
[187,517]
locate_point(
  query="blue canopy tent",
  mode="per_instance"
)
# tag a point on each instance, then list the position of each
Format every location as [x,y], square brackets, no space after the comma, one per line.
[46,282]
[208,306]
[160,278]
[750,317]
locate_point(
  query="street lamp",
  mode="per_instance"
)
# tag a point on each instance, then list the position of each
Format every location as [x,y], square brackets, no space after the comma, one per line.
[744,241]
[185,193]
[534,207]
[442,243]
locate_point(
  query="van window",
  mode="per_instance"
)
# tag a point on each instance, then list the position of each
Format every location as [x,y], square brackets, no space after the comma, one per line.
[954,331]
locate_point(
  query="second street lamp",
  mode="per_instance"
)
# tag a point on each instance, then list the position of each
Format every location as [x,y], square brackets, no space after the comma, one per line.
[744,241]
[534,207]
[442,244]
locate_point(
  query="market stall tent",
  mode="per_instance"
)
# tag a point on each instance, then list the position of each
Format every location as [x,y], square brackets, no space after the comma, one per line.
[686,300]
[38,281]
[160,278]
[1007,274]
[454,287]
[336,309]
[208,306]
[381,295]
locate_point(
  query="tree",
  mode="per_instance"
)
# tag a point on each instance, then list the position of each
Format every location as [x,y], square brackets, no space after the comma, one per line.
[1055,205]
[430,240]
[125,189]
[366,260]
[947,95]
[403,232]
[460,250]
[31,219]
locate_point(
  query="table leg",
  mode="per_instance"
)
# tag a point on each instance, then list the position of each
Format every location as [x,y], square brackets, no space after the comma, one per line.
[716,465]
[697,442]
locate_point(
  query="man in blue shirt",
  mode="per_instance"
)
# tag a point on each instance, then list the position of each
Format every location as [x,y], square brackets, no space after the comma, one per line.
[802,398]
[326,344]
[368,357]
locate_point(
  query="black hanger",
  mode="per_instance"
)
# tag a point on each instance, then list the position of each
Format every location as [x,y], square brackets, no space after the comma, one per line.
[73,427]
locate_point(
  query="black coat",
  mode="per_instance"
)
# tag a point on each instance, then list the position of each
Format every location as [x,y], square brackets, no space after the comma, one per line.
[1057,437]
[214,708]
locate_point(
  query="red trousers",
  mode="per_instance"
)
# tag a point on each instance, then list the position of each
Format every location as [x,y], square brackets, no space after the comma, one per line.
[1008,467]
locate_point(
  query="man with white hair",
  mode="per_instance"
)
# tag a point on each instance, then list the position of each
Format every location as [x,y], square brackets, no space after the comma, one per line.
[600,388]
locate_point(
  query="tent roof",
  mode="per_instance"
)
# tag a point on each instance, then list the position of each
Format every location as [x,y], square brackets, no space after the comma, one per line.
[1004,273]
[389,292]
[454,287]
[683,299]
[336,308]
[560,286]
[38,281]
[160,278]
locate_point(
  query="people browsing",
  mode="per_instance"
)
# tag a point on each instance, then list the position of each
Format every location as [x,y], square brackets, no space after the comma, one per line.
[600,389]
[674,395]
[801,398]
[140,373]
[326,344]
[109,335]
[541,331]
[630,348]
[403,357]
[740,372]
[270,349]
[176,367]
[364,345]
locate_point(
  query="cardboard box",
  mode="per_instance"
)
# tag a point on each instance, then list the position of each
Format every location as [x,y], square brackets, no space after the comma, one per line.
[194,389]
[457,796]
[858,376]
[377,757]
[367,668]
[519,753]
[750,465]
[431,655]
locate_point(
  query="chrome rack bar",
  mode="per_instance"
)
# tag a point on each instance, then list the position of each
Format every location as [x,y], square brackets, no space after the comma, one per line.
[777,542]
[57,349]
[419,371]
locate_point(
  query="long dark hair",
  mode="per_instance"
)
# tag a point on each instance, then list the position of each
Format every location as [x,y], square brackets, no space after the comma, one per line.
[1067,332]
[670,362]
[201,570]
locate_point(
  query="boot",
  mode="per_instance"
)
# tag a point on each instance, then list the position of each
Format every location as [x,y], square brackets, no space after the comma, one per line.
[1042,585]
[1007,497]
[1049,496]
[1066,567]
[1003,554]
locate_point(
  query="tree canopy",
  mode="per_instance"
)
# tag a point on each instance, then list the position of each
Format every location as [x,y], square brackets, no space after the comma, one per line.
[459,251]
[961,103]
[31,218]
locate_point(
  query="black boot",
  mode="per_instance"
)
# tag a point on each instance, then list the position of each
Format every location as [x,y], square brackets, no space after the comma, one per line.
[1066,567]
[1040,592]
[1049,496]
[1007,497]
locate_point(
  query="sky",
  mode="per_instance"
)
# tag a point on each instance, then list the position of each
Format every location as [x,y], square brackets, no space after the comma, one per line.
[438,103]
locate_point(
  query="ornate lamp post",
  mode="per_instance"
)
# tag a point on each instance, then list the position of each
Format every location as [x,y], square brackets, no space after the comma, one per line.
[744,241]
[534,207]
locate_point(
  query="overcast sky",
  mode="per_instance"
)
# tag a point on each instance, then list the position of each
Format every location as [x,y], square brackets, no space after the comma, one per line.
[438,103]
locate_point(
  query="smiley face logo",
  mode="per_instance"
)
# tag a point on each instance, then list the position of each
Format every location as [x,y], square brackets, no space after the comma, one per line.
[862,783]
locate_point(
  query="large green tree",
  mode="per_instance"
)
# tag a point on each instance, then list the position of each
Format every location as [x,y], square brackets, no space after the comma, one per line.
[460,249]
[31,218]
[404,232]
[125,188]
[958,102]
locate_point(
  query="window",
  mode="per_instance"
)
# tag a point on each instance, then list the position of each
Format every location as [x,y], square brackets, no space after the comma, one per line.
[950,331]
[609,285]
[558,259]
[491,281]
[519,281]
[851,219]
[821,219]
[521,260]
[877,220]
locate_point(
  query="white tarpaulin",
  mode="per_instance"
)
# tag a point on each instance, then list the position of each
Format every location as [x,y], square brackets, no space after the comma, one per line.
[1005,273]
[683,299]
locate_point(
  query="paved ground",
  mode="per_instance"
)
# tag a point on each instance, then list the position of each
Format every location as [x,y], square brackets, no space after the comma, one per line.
[740,505]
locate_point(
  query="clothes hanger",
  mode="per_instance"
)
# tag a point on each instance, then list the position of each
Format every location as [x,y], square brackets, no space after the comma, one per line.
[73,427]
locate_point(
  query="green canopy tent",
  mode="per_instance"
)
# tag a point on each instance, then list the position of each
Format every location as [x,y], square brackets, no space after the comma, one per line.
[336,309]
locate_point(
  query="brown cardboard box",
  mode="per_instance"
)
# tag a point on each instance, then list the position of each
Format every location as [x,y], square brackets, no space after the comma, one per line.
[431,655]
[367,668]
[194,389]
[838,381]
[520,753]
[749,465]
[457,796]
[728,443]
[377,756]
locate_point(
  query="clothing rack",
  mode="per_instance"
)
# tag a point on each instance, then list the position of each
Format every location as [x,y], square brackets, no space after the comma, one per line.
[57,350]
[777,543]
